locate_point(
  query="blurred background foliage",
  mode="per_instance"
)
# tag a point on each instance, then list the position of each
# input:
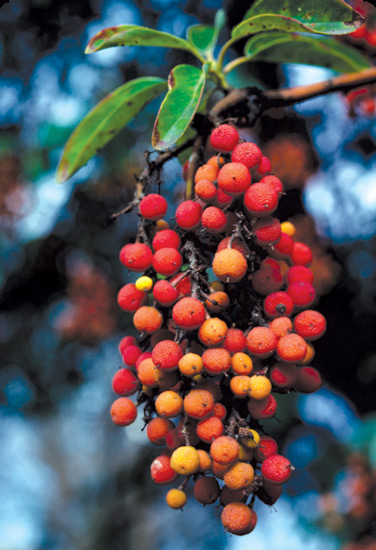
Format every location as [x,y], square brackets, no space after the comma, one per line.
[70,479]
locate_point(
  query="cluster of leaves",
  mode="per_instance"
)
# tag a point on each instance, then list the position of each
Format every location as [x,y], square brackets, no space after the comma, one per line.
[279,32]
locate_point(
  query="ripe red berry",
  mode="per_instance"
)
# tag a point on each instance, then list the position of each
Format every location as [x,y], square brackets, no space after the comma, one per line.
[167,238]
[278,304]
[188,215]
[137,257]
[224,138]
[167,261]
[130,355]
[125,382]
[267,231]
[276,182]
[248,154]
[153,207]
[283,248]
[130,299]
[213,219]
[301,254]
[265,166]
[166,355]
[276,469]
[189,313]
[161,471]
[301,293]
[299,273]
[261,199]
[165,293]
[310,324]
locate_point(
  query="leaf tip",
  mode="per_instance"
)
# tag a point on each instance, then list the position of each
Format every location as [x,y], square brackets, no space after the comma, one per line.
[62,172]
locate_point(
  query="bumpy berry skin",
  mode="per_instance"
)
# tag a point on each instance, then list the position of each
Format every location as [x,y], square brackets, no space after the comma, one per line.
[291,347]
[261,342]
[188,215]
[224,450]
[130,298]
[216,361]
[167,238]
[248,154]
[237,518]
[278,304]
[123,411]
[188,313]
[137,257]
[261,199]
[310,324]
[303,294]
[166,355]
[213,219]
[229,265]
[198,403]
[176,499]
[276,469]
[234,178]
[165,293]
[185,460]
[157,429]
[153,207]
[167,261]
[224,138]
[147,319]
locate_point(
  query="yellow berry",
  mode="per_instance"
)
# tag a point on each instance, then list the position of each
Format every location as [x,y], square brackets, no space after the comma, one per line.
[185,460]
[144,283]
[176,499]
[289,228]
[252,440]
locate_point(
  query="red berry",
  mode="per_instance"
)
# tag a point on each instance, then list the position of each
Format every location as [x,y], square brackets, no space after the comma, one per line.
[213,219]
[301,254]
[125,382]
[189,313]
[167,261]
[261,199]
[267,231]
[299,273]
[188,215]
[278,304]
[224,138]
[130,355]
[137,257]
[302,294]
[130,299]
[167,238]
[248,154]
[161,471]
[310,324]
[153,207]
[264,166]
[166,355]
[276,182]
[165,293]
[276,469]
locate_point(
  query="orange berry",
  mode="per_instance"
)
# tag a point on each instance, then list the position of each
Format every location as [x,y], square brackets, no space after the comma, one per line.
[281,326]
[241,363]
[205,461]
[190,364]
[206,490]
[123,411]
[240,386]
[229,265]
[238,518]
[188,313]
[198,403]
[212,332]
[206,190]
[157,429]
[217,302]
[291,347]
[309,355]
[234,178]
[239,476]
[217,160]
[260,386]
[216,361]
[220,411]
[224,449]
[209,429]
[218,470]
[169,404]
[207,172]
[310,324]
[185,460]
[176,499]
[148,373]
[262,342]
[147,319]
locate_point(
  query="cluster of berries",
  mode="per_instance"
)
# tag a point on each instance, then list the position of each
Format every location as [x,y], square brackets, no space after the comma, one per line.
[221,308]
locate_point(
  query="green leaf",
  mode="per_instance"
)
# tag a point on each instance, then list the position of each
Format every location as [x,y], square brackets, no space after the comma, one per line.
[134,35]
[203,37]
[105,120]
[186,84]
[281,47]
[319,16]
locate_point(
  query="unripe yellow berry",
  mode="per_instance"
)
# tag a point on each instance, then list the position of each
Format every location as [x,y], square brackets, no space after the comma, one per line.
[176,499]
[289,228]
[217,286]
[185,460]
[144,283]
